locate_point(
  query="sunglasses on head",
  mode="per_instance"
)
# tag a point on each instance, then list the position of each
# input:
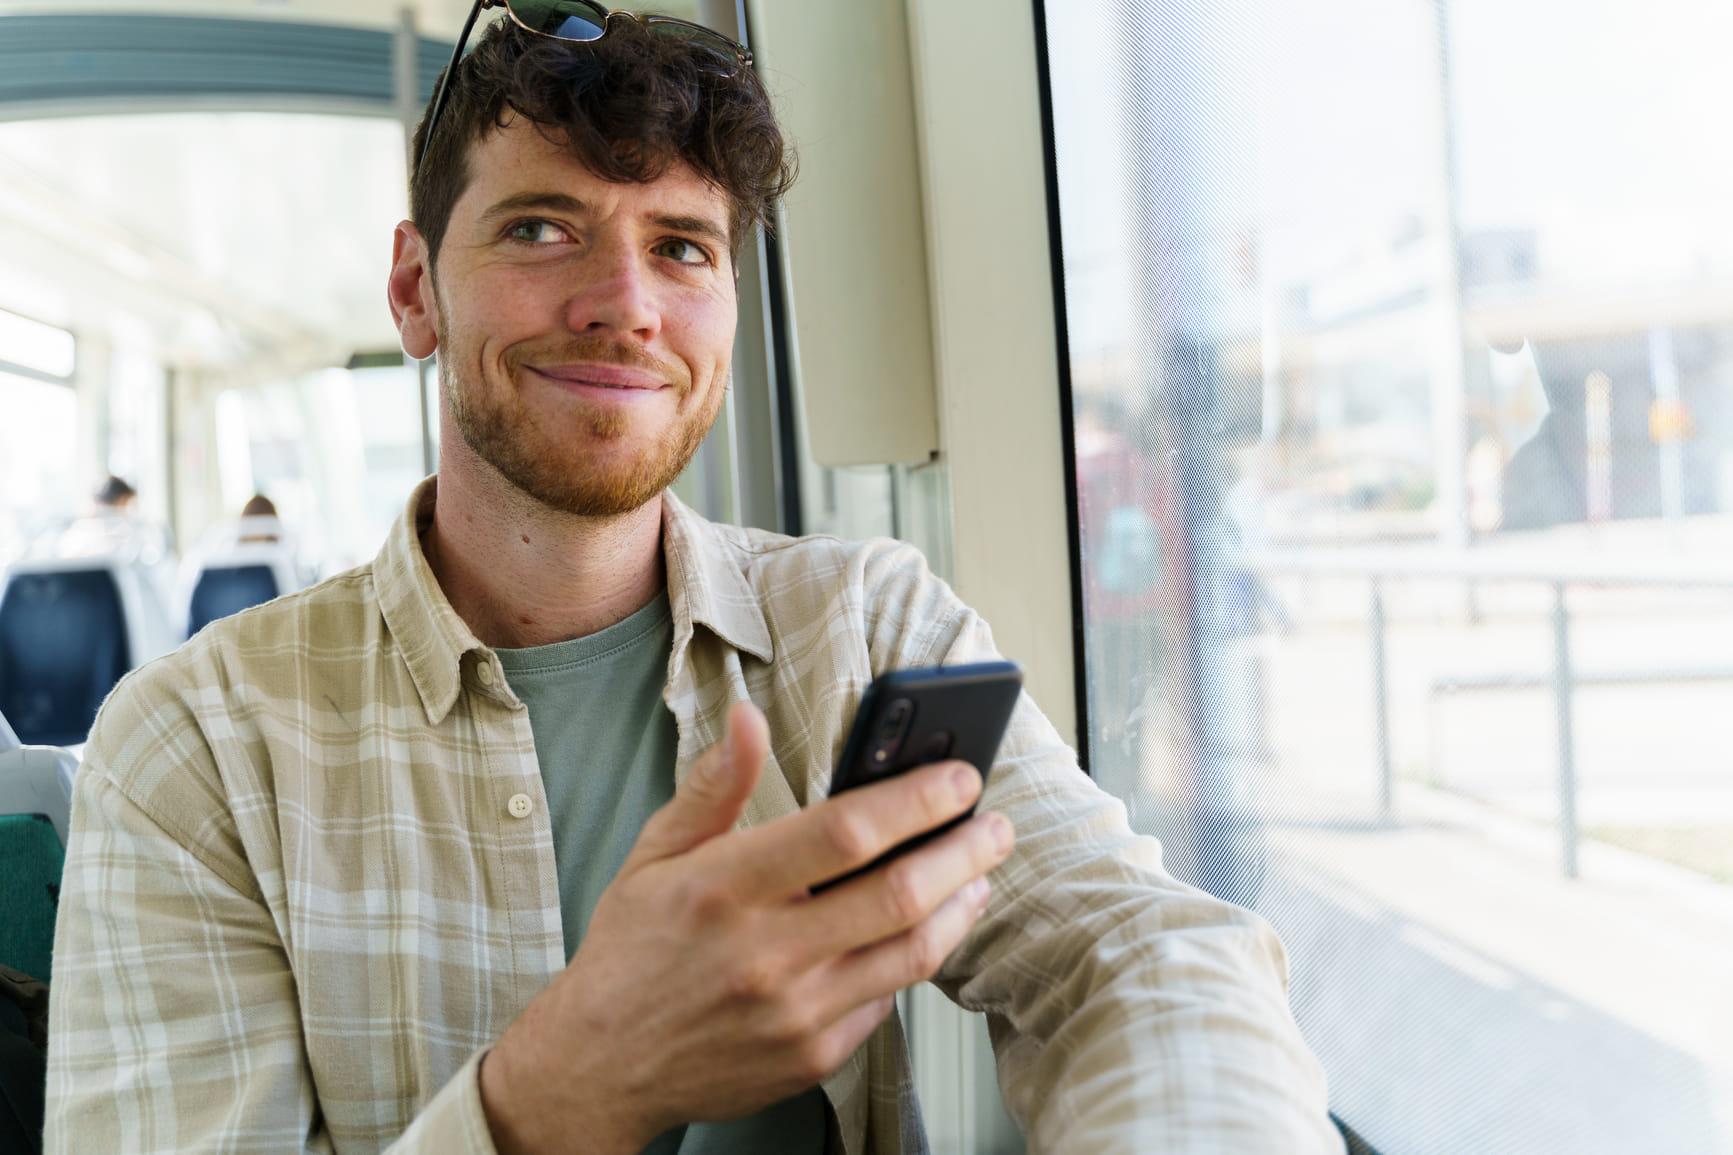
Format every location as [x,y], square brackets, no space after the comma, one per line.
[580,21]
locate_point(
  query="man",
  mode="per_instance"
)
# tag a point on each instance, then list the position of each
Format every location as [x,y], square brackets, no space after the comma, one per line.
[505,841]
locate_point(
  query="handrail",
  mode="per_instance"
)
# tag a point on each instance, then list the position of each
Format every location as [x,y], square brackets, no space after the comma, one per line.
[1475,565]
[1378,566]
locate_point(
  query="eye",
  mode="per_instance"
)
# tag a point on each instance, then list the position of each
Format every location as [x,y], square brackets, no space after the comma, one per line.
[684,251]
[536,232]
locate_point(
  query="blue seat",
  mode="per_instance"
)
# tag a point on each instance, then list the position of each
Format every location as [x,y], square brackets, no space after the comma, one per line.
[64,643]
[224,590]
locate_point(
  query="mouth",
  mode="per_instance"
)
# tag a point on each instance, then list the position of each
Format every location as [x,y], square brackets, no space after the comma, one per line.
[600,382]
[596,376]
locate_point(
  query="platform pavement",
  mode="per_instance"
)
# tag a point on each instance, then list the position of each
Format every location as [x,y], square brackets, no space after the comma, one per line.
[1467,997]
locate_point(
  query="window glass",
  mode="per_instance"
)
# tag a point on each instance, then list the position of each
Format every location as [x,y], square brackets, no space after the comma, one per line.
[38,469]
[1401,349]
[35,347]
[136,419]
[710,483]
[337,451]
[211,263]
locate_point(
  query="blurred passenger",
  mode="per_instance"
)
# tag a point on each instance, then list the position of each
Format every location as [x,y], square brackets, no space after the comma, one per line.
[108,526]
[257,518]
[117,495]
[115,527]
[236,565]
[507,840]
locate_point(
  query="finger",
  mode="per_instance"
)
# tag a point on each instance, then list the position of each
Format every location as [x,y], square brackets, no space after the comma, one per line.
[710,801]
[898,896]
[905,959]
[833,837]
[843,1037]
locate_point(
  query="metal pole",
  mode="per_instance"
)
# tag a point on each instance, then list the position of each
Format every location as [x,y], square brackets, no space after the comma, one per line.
[404,96]
[1196,156]
[1664,374]
[422,368]
[1449,366]
[1381,708]
[1567,770]
[407,98]
[171,381]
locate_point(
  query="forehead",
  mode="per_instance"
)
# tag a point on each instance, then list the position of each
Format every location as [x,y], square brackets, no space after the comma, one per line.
[521,158]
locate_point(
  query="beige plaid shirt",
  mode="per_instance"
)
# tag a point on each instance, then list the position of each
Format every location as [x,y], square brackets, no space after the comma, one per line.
[297,908]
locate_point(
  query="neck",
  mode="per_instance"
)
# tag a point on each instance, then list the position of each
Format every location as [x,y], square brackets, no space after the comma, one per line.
[521,574]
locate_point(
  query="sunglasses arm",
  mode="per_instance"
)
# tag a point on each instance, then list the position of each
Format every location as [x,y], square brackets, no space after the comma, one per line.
[445,77]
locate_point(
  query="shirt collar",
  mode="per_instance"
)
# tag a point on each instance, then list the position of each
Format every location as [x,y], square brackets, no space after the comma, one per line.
[706,586]
[431,637]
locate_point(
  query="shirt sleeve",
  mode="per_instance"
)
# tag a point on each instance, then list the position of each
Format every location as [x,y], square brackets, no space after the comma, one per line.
[1129,1012]
[174,1024]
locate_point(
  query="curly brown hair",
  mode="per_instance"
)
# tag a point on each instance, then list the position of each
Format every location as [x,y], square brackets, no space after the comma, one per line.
[629,106]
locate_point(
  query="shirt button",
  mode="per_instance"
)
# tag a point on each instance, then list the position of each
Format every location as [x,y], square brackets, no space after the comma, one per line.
[484,674]
[520,806]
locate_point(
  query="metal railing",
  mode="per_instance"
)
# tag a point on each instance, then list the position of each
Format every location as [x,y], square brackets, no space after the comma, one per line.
[1379,567]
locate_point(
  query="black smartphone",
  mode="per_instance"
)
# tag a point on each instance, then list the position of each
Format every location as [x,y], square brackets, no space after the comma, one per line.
[910,718]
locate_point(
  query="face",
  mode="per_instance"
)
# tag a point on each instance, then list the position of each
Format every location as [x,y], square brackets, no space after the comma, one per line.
[584,328]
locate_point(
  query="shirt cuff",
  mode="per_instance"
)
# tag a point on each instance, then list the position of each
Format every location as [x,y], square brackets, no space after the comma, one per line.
[453,1122]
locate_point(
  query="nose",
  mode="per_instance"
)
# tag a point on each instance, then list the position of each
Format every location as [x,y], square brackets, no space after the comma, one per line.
[617,294]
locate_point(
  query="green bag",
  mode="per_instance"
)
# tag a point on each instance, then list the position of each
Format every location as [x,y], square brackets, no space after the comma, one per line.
[31,860]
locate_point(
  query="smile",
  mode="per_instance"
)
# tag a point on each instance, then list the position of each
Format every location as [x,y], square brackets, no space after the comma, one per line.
[600,380]
[600,389]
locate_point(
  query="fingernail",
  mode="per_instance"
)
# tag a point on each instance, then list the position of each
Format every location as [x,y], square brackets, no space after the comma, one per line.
[976,893]
[1001,831]
[965,781]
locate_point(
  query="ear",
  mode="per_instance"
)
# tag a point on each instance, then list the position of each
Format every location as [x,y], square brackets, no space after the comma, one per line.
[410,290]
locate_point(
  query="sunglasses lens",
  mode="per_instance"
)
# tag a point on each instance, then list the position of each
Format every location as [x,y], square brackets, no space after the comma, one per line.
[564,19]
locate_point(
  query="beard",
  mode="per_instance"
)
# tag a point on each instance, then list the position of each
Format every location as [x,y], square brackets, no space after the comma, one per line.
[558,465]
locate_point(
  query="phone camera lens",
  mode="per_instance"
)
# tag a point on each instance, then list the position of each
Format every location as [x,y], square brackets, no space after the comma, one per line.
[892,731]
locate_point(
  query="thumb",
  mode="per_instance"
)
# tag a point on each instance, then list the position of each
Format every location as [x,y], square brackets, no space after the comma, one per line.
[709,802]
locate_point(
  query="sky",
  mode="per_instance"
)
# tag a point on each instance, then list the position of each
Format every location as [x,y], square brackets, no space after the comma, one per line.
[1316,129]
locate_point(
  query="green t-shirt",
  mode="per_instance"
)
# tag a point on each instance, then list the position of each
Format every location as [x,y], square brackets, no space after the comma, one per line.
[606,744]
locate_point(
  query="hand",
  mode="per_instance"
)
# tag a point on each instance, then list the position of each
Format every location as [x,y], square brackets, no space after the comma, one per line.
[710,983]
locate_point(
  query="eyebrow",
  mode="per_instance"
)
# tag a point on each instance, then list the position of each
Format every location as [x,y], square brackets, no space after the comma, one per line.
[557,202]
[572,206]
[697,226]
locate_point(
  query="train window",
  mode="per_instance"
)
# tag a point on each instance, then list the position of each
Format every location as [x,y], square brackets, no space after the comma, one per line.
[30,346]
[1399,358]
[336,449]
[216,265]
[38,467]
[137,415]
